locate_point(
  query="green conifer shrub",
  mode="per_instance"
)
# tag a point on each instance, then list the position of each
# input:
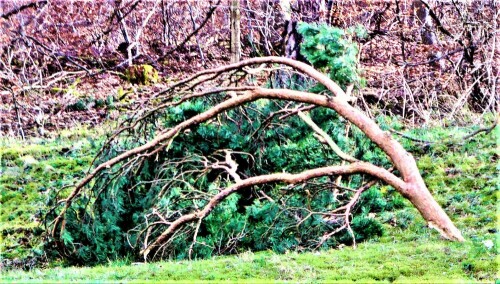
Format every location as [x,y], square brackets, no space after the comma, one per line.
[112,219]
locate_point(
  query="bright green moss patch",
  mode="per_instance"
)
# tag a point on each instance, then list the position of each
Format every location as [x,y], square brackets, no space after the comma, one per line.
[463,178]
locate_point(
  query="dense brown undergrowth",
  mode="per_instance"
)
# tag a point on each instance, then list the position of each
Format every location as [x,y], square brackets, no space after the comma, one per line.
[61,61]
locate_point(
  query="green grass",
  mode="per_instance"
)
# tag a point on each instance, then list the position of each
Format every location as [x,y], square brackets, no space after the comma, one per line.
[464,180]
[30,172]
[399,261]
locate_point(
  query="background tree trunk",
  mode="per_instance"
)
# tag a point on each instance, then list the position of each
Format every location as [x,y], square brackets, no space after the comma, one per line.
[235,31]
[427,33]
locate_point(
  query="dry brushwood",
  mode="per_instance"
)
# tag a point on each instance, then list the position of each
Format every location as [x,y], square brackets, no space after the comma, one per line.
[409,184]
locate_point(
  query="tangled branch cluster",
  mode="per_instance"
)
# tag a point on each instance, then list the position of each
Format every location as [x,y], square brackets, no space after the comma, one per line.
[224,89]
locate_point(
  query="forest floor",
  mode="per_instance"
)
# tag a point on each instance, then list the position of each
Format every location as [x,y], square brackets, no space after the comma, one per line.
[462,176]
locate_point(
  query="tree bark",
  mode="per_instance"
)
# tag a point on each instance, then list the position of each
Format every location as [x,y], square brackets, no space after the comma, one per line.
[235,31]
[427,31]
[410,185]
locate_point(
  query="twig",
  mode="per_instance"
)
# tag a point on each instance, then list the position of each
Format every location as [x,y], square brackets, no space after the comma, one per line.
[202,57]
[209,15]
[195,237]
[347,128]
[450,141]
[20,125]
[295,111]
[486,130]
[409,137]
[23,7]
[327,138]
[266,196]
[348,207]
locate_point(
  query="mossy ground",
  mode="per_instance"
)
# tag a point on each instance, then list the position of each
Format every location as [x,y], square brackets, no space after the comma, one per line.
[31,171]
[463,178]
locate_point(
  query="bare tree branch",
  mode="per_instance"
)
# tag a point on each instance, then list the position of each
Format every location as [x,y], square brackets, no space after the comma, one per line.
[24,7]
[357,167]
[327,138]
[410,185]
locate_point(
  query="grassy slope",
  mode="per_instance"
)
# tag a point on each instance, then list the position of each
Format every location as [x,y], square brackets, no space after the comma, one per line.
[463,179]
[29,172]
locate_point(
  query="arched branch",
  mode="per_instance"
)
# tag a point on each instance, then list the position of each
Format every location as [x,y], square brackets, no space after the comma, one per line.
[357,167]
[410,186]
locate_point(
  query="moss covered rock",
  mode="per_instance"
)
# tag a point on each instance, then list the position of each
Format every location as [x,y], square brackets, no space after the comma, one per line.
[141,74]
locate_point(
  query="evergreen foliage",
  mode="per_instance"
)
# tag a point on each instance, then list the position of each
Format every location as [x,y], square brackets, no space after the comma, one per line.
[112,219]
[331,50]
